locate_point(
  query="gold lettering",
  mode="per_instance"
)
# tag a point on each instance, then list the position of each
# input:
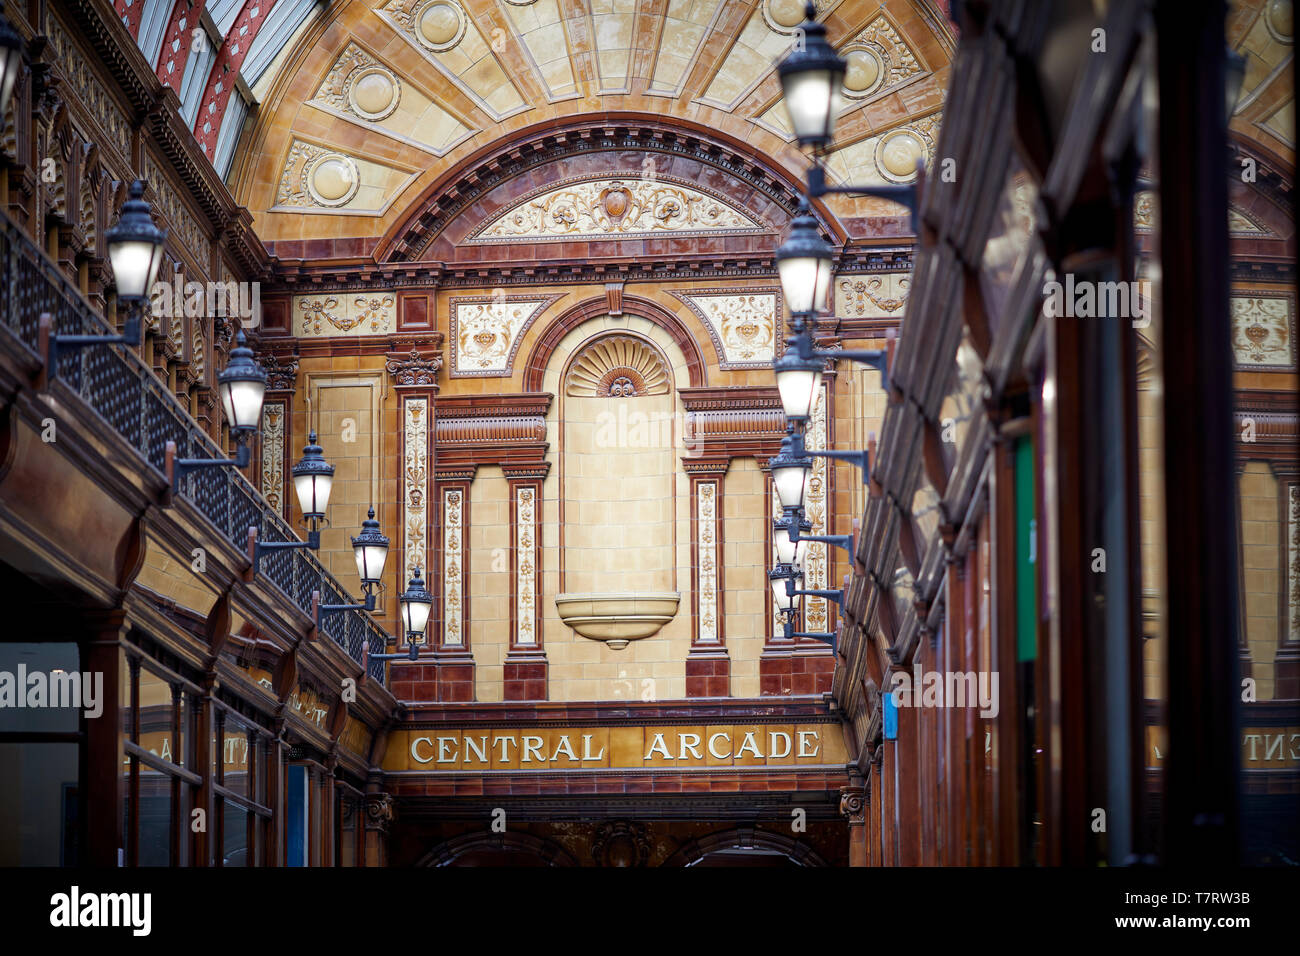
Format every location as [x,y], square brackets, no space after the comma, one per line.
[533,745]
[415,756]
[803,743]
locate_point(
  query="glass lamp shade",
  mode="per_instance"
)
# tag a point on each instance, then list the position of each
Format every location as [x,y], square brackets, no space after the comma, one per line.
[416,602]
[787,551]
[242,385]
[312,479]
[811,77]
[778,577]
[798,379]
[371,549]
[135,247]
[11,60]
[791,473]
[805,262]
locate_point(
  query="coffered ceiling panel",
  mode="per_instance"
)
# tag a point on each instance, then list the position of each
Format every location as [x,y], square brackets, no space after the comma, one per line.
[379,104]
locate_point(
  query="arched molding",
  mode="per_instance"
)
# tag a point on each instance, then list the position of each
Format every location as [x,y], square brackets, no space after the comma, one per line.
[745,838]
[539,358]
[546,142]
[549,851]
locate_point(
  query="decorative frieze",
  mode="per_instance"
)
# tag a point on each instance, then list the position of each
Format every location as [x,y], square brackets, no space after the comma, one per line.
[744,325]
[872,296]
[111,120]
[526,560]
[1263,330]
[708,610]
[415,481]
[352,313]
[615,208]
[485,332]
[453,574]
[281,372]
[273,441]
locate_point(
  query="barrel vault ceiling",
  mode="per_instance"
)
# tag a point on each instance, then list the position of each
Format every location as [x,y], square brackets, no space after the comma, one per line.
[368,105]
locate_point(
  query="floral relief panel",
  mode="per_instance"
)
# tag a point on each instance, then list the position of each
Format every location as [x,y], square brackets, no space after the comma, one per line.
[343,314]
[485,332]
[614,209]
[744,325]
[1263,330]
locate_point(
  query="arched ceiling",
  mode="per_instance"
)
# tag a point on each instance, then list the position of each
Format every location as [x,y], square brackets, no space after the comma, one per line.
[375,106]
[1263,33]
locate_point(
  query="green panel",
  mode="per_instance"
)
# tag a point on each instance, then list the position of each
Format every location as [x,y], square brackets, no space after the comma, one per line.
[1026,553]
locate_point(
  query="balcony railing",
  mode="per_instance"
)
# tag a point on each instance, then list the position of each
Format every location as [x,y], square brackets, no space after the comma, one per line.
[129,398]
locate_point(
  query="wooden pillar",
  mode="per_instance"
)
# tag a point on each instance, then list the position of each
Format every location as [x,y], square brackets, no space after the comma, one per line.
[102,754]
[379,814]
[1202,767]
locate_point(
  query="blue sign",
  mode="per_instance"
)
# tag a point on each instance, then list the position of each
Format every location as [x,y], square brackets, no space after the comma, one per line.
[891,718]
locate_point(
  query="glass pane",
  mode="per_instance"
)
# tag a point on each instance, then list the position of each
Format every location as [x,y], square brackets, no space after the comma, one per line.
[43,690]
[38,804]
[234,757]
[155,817]
[235,844]
[156,715]
[963,401]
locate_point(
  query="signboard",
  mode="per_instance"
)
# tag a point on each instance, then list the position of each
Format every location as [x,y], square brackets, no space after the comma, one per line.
[587,748]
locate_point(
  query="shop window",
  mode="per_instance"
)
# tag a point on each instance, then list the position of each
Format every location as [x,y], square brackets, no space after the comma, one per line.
[39,776]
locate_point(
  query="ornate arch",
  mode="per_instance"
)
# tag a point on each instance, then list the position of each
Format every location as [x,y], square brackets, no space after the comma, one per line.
[548,850]
[545,142]
[540,356]
[745,838]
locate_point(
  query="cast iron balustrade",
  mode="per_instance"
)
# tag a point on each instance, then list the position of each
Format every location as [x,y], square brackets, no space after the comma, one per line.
[130,399]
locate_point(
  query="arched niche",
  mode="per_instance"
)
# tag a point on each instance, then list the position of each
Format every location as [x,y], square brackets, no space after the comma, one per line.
[617,428]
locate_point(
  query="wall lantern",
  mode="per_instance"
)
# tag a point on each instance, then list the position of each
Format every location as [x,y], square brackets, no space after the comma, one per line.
[805,262]
[135,247]
[811,77]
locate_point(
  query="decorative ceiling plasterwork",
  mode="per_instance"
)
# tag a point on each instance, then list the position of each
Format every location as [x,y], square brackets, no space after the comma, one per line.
[352,313]
[485,332]
[362,89]
[769,33]
[615,208]
[320,180]
[450,40]
[1263,330]
[448,78]
[890,157]
[617,366]
[744,324]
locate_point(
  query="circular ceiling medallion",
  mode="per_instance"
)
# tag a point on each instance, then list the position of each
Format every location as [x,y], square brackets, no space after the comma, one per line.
[1279,18]
[783,16]
[332,179]
[374,93]
[864,73]
[897,153]
[440,25]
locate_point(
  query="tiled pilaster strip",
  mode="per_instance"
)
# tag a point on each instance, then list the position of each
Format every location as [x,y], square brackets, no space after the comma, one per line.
[708,668]
[413,376]
[452,654]
[278,438]
[525,664]
[813,663]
